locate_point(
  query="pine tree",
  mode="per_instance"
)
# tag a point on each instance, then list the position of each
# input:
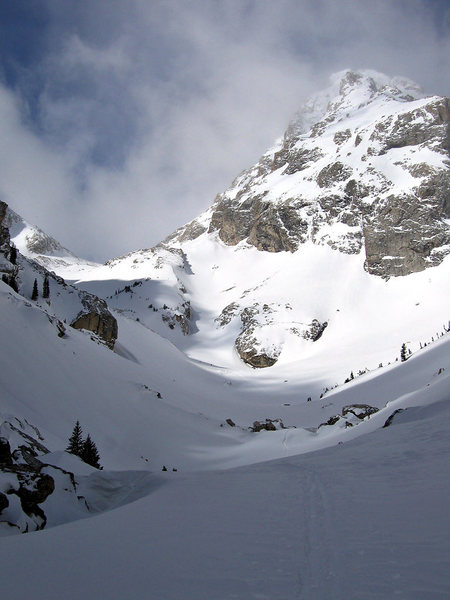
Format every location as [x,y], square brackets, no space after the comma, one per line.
[10,280]
[76,441]
[13,255]
[34,295]
[46,288]
[89,453]
[404,353]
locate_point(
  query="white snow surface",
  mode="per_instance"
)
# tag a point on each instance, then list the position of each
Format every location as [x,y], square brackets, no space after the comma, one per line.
[364,520]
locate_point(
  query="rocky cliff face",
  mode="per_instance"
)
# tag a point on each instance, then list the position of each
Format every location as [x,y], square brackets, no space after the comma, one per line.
[363,166]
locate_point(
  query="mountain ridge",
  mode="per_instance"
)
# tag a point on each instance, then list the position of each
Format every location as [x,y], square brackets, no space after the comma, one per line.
[344,178]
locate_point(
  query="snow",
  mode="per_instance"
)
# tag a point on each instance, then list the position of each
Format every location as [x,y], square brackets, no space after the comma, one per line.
[347,522]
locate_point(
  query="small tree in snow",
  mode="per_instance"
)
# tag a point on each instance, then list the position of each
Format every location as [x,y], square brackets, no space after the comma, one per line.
[13,255]
[34,294]
[404,353]
[76,440]
[46,288]
[89,453]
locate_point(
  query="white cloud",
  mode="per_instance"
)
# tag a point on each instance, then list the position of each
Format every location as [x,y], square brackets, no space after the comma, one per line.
[146,113]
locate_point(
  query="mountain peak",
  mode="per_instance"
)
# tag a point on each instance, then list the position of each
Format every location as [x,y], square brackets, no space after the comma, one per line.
[348,90]
[363,166]
[374,82]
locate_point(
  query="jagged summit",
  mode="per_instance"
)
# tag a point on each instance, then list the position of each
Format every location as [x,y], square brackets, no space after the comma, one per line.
[363,166]
[349,89]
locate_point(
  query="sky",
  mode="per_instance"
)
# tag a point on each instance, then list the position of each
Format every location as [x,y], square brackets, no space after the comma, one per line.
[120,120]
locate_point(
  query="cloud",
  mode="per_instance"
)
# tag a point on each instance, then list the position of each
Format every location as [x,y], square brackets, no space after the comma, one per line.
[138,116]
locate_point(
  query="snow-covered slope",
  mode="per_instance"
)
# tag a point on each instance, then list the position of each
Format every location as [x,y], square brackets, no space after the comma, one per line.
[35,244]
[361,521]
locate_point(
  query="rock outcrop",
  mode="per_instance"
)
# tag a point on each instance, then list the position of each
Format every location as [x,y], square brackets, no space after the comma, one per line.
[96,317]
[27,481]
[258,324]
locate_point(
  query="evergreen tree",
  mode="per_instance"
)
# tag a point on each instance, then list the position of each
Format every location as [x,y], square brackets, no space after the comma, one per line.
[76,441]
[89,453]
[403,353]
[13,283]
[13,255]
[46,288]
[10,280]
[34,294]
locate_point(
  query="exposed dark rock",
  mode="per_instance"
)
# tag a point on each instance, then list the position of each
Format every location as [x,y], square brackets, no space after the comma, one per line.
[34,489]
[180,316]
[191,231]
[331,421]
[96,318]
[4,502]
[31,479]
[359,410]
[404,233]
[333,173]
[4,229]
[227,314]
[254,359]
[268,227]
[252,350]
[342,136]
[5,452]
[295,159]
[312,332]
[419,126]
[230,422]
[268,425]
[389,420]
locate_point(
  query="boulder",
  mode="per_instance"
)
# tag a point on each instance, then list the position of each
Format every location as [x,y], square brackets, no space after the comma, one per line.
[96,318]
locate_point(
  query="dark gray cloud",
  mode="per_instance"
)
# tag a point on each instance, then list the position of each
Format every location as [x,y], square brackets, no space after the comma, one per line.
[123,119]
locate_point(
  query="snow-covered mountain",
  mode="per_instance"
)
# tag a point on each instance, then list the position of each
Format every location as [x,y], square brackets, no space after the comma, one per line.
[307,307]
[323,244]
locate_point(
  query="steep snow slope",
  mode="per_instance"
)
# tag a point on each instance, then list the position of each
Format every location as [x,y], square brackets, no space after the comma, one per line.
[45,250]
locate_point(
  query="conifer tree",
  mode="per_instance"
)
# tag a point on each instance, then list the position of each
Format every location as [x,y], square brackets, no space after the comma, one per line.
[76,441]
[13,255]
[403,353]
[34,294]
[13,283]
[89,453]
[46,288]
